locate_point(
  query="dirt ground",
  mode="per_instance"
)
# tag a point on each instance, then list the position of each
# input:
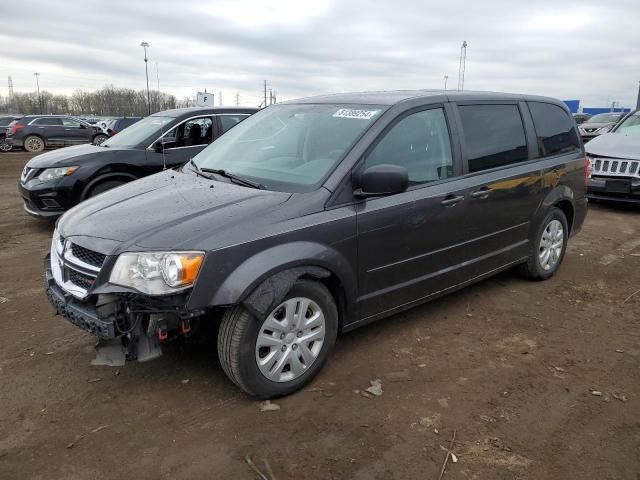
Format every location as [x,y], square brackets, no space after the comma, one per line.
[539,381]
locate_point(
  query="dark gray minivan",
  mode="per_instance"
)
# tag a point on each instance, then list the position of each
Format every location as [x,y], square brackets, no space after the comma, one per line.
[316,216]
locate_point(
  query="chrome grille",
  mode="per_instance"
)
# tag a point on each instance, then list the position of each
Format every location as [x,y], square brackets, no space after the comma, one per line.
[88,256]
[615,167]
[74,267]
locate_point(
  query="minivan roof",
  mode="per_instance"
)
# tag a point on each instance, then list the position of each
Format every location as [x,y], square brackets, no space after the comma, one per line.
[177,112]
[397,96]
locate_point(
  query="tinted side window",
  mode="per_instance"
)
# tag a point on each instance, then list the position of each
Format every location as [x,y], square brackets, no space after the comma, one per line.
[420,143]
[554,129]
[48,121]
[229,121]
[70,122]
[494,136]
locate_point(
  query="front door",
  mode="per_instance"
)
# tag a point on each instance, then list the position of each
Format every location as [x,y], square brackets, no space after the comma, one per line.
[410,244]
[184,141]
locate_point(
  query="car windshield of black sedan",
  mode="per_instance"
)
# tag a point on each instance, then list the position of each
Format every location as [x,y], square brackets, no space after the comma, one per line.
[630,126]
[289,147]
[138,132]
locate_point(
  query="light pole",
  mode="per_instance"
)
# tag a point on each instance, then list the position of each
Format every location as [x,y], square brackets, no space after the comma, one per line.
[37,75]
[446,77]
[146,71]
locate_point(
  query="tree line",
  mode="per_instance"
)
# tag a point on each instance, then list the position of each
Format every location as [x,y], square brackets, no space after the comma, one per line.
[108,101]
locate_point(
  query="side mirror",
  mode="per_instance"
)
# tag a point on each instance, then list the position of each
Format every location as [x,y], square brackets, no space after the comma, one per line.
[383,179]
[158,146]
[82,125]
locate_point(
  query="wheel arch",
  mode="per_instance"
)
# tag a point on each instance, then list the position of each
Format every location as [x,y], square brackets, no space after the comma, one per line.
[262,280]
[128,177]
[561,197]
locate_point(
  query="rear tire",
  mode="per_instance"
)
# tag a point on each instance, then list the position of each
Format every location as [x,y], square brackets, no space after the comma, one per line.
[248,347]
[33,144]
[103,187]
[5,146]
[98,139]
[548,247]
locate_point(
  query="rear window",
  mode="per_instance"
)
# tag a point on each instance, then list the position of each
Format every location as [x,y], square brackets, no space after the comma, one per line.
[48,122]
[494,136]
[554,129]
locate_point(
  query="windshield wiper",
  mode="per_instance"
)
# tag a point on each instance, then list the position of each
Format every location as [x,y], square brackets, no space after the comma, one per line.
[232,177]
[198,171]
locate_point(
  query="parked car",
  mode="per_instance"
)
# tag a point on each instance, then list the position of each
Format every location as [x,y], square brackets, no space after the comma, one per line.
[55,181]
[316,216]
[116,125]
[615,162]
[598,124]
[580,118]
[36,132]
[6,145]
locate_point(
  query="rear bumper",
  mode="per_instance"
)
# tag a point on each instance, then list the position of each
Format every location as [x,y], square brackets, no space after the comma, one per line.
[82,315]
[579,215]
[614,189]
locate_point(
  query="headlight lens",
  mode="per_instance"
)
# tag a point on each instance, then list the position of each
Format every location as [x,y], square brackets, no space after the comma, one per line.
[157,273]
[53,173]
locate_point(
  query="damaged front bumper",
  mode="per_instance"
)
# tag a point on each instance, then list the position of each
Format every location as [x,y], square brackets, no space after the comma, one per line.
[139,324]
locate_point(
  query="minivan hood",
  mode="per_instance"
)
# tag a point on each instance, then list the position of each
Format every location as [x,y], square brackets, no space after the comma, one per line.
[168,210]
[63,157]
[617,145]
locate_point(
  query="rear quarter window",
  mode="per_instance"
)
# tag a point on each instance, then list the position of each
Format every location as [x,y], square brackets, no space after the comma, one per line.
[555,131]
[494,136]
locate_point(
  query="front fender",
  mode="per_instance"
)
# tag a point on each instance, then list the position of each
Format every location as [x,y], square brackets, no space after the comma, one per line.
[239,283]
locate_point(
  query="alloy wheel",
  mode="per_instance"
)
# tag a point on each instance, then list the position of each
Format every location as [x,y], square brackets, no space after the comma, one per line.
[551,244]
[290,339]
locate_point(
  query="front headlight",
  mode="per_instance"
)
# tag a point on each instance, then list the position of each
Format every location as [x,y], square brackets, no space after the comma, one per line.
[53,173]
[157,273]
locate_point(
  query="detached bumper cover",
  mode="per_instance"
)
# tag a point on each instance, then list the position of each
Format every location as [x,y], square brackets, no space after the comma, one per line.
[82,315]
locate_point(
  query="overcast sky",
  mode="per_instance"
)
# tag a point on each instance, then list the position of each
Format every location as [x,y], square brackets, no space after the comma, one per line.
[570,50]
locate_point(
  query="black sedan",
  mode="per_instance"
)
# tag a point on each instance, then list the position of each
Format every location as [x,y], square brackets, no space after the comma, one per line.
[55,181]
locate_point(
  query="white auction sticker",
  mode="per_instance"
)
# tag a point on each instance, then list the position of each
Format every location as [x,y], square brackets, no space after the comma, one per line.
[350,113]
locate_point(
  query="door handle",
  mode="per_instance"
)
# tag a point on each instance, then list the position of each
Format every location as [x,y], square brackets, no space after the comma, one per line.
[482,193]
[450,201]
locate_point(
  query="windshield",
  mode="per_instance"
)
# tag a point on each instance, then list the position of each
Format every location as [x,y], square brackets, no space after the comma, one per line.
[630,126]
[604,118]
[138,132]
[289,148]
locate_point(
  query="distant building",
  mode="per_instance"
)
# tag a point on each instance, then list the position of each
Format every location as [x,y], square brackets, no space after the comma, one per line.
[574,107]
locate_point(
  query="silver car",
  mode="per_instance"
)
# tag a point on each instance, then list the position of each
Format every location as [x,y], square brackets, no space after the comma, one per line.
[598,124]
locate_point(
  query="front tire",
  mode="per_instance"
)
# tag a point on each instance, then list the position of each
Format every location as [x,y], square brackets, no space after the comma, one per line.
[33,144]
[549,246]
[281,352]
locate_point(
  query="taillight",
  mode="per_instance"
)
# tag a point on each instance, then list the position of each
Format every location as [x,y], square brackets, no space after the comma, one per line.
[587,169]
[16,128]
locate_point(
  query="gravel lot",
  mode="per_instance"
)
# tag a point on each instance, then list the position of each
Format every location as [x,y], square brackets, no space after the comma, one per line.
[540,380]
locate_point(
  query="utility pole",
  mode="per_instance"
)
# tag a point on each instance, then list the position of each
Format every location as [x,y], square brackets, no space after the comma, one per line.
[37,75]
[446,77]
[11,98]
[462,65]
[145,45]
[265,93]
[270,97]
[220,98]
[237,99]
